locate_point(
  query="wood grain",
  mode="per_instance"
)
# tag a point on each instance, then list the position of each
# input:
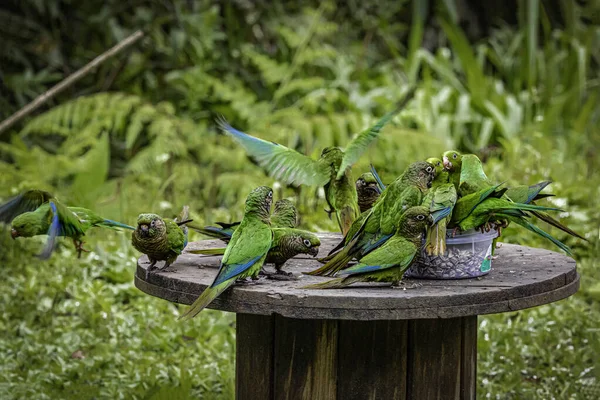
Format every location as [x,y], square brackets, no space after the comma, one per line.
[521,277]
[434,359]
[305,359]
[254,357]
[372,360]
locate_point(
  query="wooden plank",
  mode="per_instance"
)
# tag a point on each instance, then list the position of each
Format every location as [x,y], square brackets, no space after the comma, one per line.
[372,360]
[521,277]
[468,378]
[434,359]
[229,302]
[305,359]
[254,357]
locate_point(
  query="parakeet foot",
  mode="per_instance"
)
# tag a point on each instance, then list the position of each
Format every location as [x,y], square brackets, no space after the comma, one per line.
[280,275]
[247,282]
[455,231]
[403,285]
[79,247]
[164,267]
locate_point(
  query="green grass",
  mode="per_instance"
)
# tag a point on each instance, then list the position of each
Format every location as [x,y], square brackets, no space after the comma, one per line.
[524,98]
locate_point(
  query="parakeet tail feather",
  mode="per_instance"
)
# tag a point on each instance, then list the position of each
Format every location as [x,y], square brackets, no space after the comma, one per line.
[336,283]
[205,298]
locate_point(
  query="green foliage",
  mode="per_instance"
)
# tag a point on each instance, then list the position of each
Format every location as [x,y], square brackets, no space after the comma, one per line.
[138,135]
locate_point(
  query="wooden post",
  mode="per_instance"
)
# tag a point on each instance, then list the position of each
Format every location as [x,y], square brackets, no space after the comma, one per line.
[288,358]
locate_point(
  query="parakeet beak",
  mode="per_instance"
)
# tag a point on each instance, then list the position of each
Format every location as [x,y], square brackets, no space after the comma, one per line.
[14,233]
[447,163]
[314,251]
[143,229]
[376,188]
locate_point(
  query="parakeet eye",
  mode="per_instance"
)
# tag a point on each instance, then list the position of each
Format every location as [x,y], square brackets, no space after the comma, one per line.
[270,195]
[307,242]
[152,224]
[420,217]
[454,155]
[429,169]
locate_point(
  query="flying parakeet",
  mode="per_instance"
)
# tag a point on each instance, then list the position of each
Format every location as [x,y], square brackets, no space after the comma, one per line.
[378,224]
[367,190]
[246,251]
[161,239]
[440,199]
[285,215]
[331,170]
[467,173]
[287,243]
[36,212]
[390,261]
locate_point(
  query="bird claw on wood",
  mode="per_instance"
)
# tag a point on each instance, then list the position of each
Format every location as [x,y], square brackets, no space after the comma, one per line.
[404,286]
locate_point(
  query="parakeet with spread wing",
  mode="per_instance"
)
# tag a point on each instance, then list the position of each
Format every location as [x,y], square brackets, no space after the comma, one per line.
[36,212]
[246,251]
[331,170]
[161,239]
[389,262]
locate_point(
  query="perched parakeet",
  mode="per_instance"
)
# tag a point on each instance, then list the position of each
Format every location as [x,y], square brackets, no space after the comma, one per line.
[285,215]
[331,170]
[467,169]
[161,239]
[36,212]
[287,243]
[367,190]
[440,199]
[246,251]
[493,209]
[390,261]
[378,224]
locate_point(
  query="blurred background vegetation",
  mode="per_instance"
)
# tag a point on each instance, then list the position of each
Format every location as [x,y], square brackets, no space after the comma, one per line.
[516,82]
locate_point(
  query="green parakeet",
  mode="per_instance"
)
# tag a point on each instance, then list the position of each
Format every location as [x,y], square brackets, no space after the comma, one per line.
[367,190]
[332,170]
[493,209]
[440,199]
[378,224]
[246,251]
[36,212]
[287,243]
[390,261]
[471,178]
[161,239]
[285,215]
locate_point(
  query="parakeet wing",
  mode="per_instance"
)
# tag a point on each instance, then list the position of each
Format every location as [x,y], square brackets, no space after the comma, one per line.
[360,143]
[53,232]
[443,201]
[380,183]
[175,236]
[63,222]
[396,252]
[472,174]
[26,201]
[282,163]
[248,245]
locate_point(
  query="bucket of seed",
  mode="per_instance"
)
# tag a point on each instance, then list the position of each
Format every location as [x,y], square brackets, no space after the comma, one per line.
[468,255]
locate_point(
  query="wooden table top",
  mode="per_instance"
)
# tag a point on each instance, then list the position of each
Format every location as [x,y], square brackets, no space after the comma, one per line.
[521,277]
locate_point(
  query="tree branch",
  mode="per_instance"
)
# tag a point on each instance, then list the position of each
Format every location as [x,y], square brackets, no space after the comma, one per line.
[71,79]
